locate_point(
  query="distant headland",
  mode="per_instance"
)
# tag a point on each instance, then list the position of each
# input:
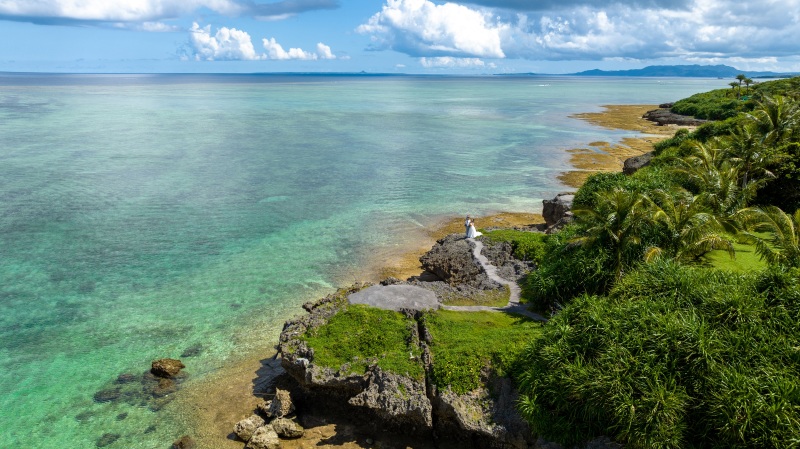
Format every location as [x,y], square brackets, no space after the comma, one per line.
[689,71]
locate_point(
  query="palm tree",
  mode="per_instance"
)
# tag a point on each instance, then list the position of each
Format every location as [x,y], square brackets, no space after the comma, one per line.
[744,148]
[775,117]
[691,230]
[783,245]
[740,77]
[747,83]
[734,85]
[717,180]
[615,222]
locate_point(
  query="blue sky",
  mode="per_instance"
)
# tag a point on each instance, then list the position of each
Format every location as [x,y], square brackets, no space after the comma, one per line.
[394,36]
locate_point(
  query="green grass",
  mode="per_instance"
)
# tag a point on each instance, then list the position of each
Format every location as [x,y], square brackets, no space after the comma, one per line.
[746,259]
[464,343]
[360,336]
[490,298]
[525,245]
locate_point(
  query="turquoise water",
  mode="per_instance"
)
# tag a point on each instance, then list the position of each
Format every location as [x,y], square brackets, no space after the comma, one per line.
[144,215]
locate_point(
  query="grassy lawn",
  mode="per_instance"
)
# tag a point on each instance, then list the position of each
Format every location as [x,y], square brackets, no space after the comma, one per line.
[361,335]
[490,298]
[746,259]
[525,245]
[466,342]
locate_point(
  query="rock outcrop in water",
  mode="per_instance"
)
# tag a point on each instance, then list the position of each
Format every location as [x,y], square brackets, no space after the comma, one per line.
[264,429]
[166,368]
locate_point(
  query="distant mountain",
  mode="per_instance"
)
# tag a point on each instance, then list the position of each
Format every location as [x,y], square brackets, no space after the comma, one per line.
[696,71]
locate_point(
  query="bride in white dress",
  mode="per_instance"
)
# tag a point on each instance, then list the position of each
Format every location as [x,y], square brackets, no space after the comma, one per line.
[471,232]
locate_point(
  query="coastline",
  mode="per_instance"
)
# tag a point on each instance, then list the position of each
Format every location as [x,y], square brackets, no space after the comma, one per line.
[605,157]
[210,407]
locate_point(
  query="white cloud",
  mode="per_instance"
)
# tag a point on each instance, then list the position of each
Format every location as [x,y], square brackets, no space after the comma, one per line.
[231,44]
[324,52]
[114,11]
[423,28]
[588,29]
[226,44]
[451,62]
[102,12]
[276,51]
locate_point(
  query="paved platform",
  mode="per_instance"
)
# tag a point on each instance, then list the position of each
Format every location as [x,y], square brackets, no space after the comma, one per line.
[396,297]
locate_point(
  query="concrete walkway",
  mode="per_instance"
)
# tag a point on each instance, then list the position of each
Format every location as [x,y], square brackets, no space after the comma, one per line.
[396,297]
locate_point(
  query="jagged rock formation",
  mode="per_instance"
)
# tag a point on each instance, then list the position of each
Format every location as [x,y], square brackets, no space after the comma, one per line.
[485,417]
[558,211]
[451,261]
[664,116]
[633,164]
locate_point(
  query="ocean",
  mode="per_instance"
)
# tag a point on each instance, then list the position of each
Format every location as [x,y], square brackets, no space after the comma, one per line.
[187,216]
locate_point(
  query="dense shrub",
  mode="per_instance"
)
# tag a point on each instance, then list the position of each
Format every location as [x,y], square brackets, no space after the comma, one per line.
[566,271]
[672,357]
[784,190]
[714,105]
[710,130]
[643,181]
[676,140]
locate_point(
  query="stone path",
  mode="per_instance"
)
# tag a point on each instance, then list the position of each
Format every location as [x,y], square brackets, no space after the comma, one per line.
[513,305]
[396,297]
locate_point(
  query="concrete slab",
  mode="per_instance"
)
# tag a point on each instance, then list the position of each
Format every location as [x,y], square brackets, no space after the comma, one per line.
[396,297]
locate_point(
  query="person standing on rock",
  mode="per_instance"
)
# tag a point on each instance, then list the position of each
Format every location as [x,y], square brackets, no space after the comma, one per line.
[466,226]
[471,232]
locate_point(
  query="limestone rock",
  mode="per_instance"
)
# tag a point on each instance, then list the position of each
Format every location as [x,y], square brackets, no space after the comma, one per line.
[263,408]
[281,405]
[452,261]
[633,164]
[245,428]
[664,116]
[396,398]
[501,255]
[264,438]
[558,208]
[488,413]
[286,428]
[166,367]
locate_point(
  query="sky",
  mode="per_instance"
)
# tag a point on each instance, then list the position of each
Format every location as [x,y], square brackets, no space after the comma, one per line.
[395,36]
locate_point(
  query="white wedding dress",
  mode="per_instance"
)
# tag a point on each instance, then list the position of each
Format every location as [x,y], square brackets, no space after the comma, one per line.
[472,233]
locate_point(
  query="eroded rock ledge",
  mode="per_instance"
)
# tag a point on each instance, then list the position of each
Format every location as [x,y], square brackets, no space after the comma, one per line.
[483,418]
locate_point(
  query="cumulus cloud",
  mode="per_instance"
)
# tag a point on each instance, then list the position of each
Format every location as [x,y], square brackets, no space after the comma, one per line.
[230,44]
[276,51]
[587,29]
[451,62]
[227,44]
[549,5]
[101,12]
[423,28]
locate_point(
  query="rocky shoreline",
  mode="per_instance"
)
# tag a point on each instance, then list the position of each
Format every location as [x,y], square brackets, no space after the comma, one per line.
[385,403]
[348,419]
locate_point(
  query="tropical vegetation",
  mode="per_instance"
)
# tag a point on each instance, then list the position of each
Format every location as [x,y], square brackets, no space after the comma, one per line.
[653,341]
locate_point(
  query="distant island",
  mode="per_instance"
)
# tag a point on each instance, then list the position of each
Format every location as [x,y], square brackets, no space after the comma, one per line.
[691,71]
